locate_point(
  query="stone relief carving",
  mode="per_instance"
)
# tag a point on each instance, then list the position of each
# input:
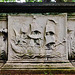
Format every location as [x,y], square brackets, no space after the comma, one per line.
[20,43]
[3,43]
[35,39]
[72,45]
[35,34]
[28,45]
[50,35]
[71,39]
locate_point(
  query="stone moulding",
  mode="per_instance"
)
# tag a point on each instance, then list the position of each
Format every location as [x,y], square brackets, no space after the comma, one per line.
[39,71]
[36,7]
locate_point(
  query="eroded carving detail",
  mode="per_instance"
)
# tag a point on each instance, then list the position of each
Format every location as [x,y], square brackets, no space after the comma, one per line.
[50,35]
[3,43]
[28,44]
[71,41]
[20,43]
[36,40]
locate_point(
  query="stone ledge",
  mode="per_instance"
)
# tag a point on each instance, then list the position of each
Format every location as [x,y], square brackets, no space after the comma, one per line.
[39,71]
[22,66]
[37,7]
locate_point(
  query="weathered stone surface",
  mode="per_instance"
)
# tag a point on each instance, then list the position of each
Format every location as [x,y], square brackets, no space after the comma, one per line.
[71,38]
[37,38]
[3,40]
[39,72]
[37,41]
[17,65]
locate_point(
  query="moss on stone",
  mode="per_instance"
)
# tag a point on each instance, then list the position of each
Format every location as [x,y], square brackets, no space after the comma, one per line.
[40,71]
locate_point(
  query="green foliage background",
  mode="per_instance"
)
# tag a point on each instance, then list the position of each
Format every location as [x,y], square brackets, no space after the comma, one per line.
[25,1]
[37,1]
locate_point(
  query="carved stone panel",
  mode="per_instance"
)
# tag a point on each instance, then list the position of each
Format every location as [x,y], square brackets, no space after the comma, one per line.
[3,40]
[71,38]
[37,37]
